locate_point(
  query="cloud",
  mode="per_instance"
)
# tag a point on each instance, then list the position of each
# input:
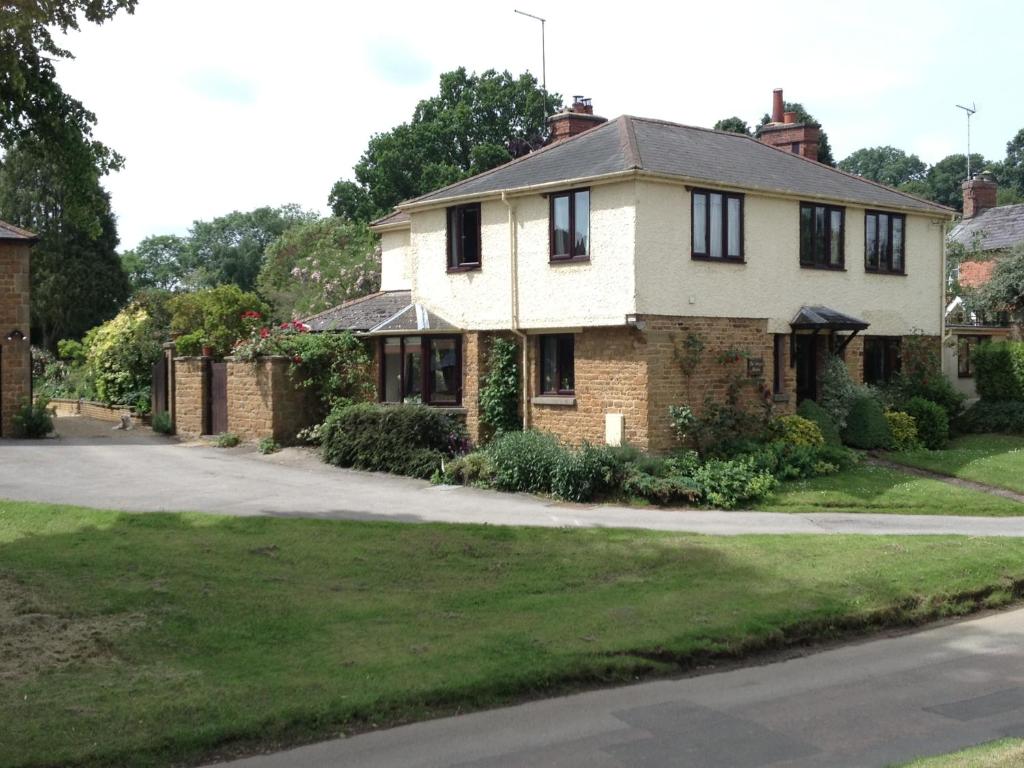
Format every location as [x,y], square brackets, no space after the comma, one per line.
[220,85]
[395,63]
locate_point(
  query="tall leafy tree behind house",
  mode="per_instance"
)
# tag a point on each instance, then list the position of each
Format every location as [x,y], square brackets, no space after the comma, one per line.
[474,123]
[158,261]
[803,116]
[55,191]
[318,264]
[1010,172]
[733,125]
[886,165]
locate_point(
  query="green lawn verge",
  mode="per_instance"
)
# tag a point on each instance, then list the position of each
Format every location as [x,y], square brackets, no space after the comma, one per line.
[158,638]
[867,488]
[1006,753]
[991,459]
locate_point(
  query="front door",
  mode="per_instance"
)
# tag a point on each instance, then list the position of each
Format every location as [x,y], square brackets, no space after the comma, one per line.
[806,367]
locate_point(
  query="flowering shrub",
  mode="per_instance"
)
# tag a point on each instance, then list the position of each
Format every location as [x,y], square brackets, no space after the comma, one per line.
[217,317]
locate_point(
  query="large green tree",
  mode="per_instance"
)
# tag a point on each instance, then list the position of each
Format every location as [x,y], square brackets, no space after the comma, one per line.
[803,116]
[886,165]
[54,190]
[319,264]
[474,123]
[1010,172]
[733,125]
[158,261]
[229,250]
[944,181]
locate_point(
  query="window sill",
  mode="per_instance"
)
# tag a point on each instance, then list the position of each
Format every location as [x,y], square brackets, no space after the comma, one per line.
[823,268]
[562,400]
[574,260]
[883,272]
[467,268]
[444,407]
[718,260]
[780,397]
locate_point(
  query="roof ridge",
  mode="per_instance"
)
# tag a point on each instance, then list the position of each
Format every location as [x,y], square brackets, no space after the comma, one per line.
[632,147]
[353,302]
[514,161]
[19,231]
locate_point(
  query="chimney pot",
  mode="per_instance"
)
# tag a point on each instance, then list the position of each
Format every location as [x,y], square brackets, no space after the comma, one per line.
[789,118]
[777,105]
[579,117]
[979,194]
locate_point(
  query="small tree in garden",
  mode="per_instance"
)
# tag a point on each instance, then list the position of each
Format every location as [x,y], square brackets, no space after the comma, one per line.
[499,396]
[217,317]
[119,357]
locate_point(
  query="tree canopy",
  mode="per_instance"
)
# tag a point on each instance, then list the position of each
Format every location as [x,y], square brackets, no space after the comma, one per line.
[886,165]
[474,123]
[159,261]
[734,125]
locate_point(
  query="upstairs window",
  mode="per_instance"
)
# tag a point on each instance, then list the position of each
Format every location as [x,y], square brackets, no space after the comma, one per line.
[464,237]
[557,364]
[821,236]
[883,242]
[717,225]
[881,359]
[570,225]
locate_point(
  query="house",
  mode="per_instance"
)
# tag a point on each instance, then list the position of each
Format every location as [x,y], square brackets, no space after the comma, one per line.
[604,254]
[15,353]
[985,233]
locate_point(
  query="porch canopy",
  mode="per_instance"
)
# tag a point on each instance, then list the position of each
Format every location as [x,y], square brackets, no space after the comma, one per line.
[816,320]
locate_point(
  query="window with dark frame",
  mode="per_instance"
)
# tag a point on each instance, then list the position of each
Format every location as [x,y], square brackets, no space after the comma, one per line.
[464,237]
[570,225]
[717,225]
[557,364]
[965,346]
[881,358]
[421,369]
[822,231]
[884,238]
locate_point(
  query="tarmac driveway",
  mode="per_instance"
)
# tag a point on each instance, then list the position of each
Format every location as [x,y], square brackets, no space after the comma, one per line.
[91,464]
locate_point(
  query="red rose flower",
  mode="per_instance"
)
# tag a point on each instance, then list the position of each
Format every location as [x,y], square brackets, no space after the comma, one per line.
[264,332]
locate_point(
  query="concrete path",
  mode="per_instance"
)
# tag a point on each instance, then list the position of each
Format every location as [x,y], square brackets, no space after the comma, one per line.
[870,704]
[92,465]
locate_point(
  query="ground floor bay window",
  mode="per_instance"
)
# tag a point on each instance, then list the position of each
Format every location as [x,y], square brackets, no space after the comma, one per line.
[421,369]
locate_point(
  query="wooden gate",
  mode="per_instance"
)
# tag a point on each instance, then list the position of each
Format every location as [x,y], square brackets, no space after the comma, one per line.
[217,398]
[160,389]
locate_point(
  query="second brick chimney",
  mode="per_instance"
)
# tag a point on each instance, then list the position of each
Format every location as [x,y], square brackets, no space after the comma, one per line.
[786,133]
[979,194]
[576,119]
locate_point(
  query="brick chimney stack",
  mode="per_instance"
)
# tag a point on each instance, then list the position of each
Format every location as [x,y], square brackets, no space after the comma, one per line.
[786,133]
[979,194]
[576,119]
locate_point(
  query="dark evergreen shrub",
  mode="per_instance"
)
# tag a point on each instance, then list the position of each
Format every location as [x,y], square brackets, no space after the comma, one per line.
[931,420]
[999,370]
[993,416]
[812,411]
[866,425]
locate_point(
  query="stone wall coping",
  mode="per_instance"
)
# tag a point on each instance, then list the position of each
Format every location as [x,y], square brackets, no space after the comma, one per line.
[563,400]
[97,403]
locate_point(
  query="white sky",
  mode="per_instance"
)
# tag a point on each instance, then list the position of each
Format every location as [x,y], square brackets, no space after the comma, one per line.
[222,105]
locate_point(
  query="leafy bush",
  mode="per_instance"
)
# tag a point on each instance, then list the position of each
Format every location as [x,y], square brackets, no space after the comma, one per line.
[657,489]
[189,344]
[585,473]
[33,420]
[993,416]
[162,423]
[499,395]
[227,440]
[999,370]
[904,430]
[797,430]
[791,462]
[221,316]
[866,425]
[409,440]
[810,410]
[472,469]
[268,445]
[932,422]
[525,461]
[838,391]
[921,376]
[727,484]
[120,354]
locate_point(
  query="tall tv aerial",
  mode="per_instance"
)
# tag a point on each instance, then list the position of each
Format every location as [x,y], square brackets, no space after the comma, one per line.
[543,58]
[970,111]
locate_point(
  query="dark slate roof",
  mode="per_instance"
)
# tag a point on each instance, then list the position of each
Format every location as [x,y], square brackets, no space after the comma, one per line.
[716,157]
[994,229]
[11,232]
[395,217]
[360,314]
[414,318]
[826,318]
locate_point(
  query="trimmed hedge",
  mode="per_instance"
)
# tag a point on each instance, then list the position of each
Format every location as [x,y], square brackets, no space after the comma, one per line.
[931,421]
[811,411]
[993,416]
[999,370]
[410,440]
[866,425]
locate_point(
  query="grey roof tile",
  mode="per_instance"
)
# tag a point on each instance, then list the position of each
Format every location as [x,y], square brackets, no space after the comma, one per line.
[360,314]
[729,159]
[11,232]
[395,217]
[995,229]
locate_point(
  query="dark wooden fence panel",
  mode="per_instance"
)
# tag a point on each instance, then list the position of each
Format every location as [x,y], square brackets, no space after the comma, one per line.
[160,390]
[218,398]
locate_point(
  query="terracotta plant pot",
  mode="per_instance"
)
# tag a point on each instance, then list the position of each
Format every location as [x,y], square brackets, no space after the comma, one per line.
[207,351]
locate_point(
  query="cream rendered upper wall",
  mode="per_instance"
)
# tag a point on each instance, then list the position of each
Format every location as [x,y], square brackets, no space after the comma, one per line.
[771,284]
[566,295]
[395,266]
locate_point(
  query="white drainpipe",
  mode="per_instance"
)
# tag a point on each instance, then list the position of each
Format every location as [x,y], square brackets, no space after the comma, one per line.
[513,249]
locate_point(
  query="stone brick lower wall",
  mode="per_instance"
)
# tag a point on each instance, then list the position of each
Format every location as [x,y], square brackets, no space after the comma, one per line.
[189,374]
[264,402]
[15,355]
[92,410]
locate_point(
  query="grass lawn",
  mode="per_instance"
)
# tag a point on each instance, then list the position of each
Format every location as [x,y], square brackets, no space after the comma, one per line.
[990,459]
[158,638]
[875,489]
[1007,753]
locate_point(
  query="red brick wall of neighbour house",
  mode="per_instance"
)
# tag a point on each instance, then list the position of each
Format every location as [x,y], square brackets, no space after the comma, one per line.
[15,356]
[610,377]
[189,395]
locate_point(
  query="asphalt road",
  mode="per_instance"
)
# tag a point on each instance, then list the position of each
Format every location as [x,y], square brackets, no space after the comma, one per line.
[871,704]
[92,465]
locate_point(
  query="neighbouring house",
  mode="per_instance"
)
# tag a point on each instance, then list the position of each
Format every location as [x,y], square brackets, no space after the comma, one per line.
[604,254]
[15,352]
[986,232]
